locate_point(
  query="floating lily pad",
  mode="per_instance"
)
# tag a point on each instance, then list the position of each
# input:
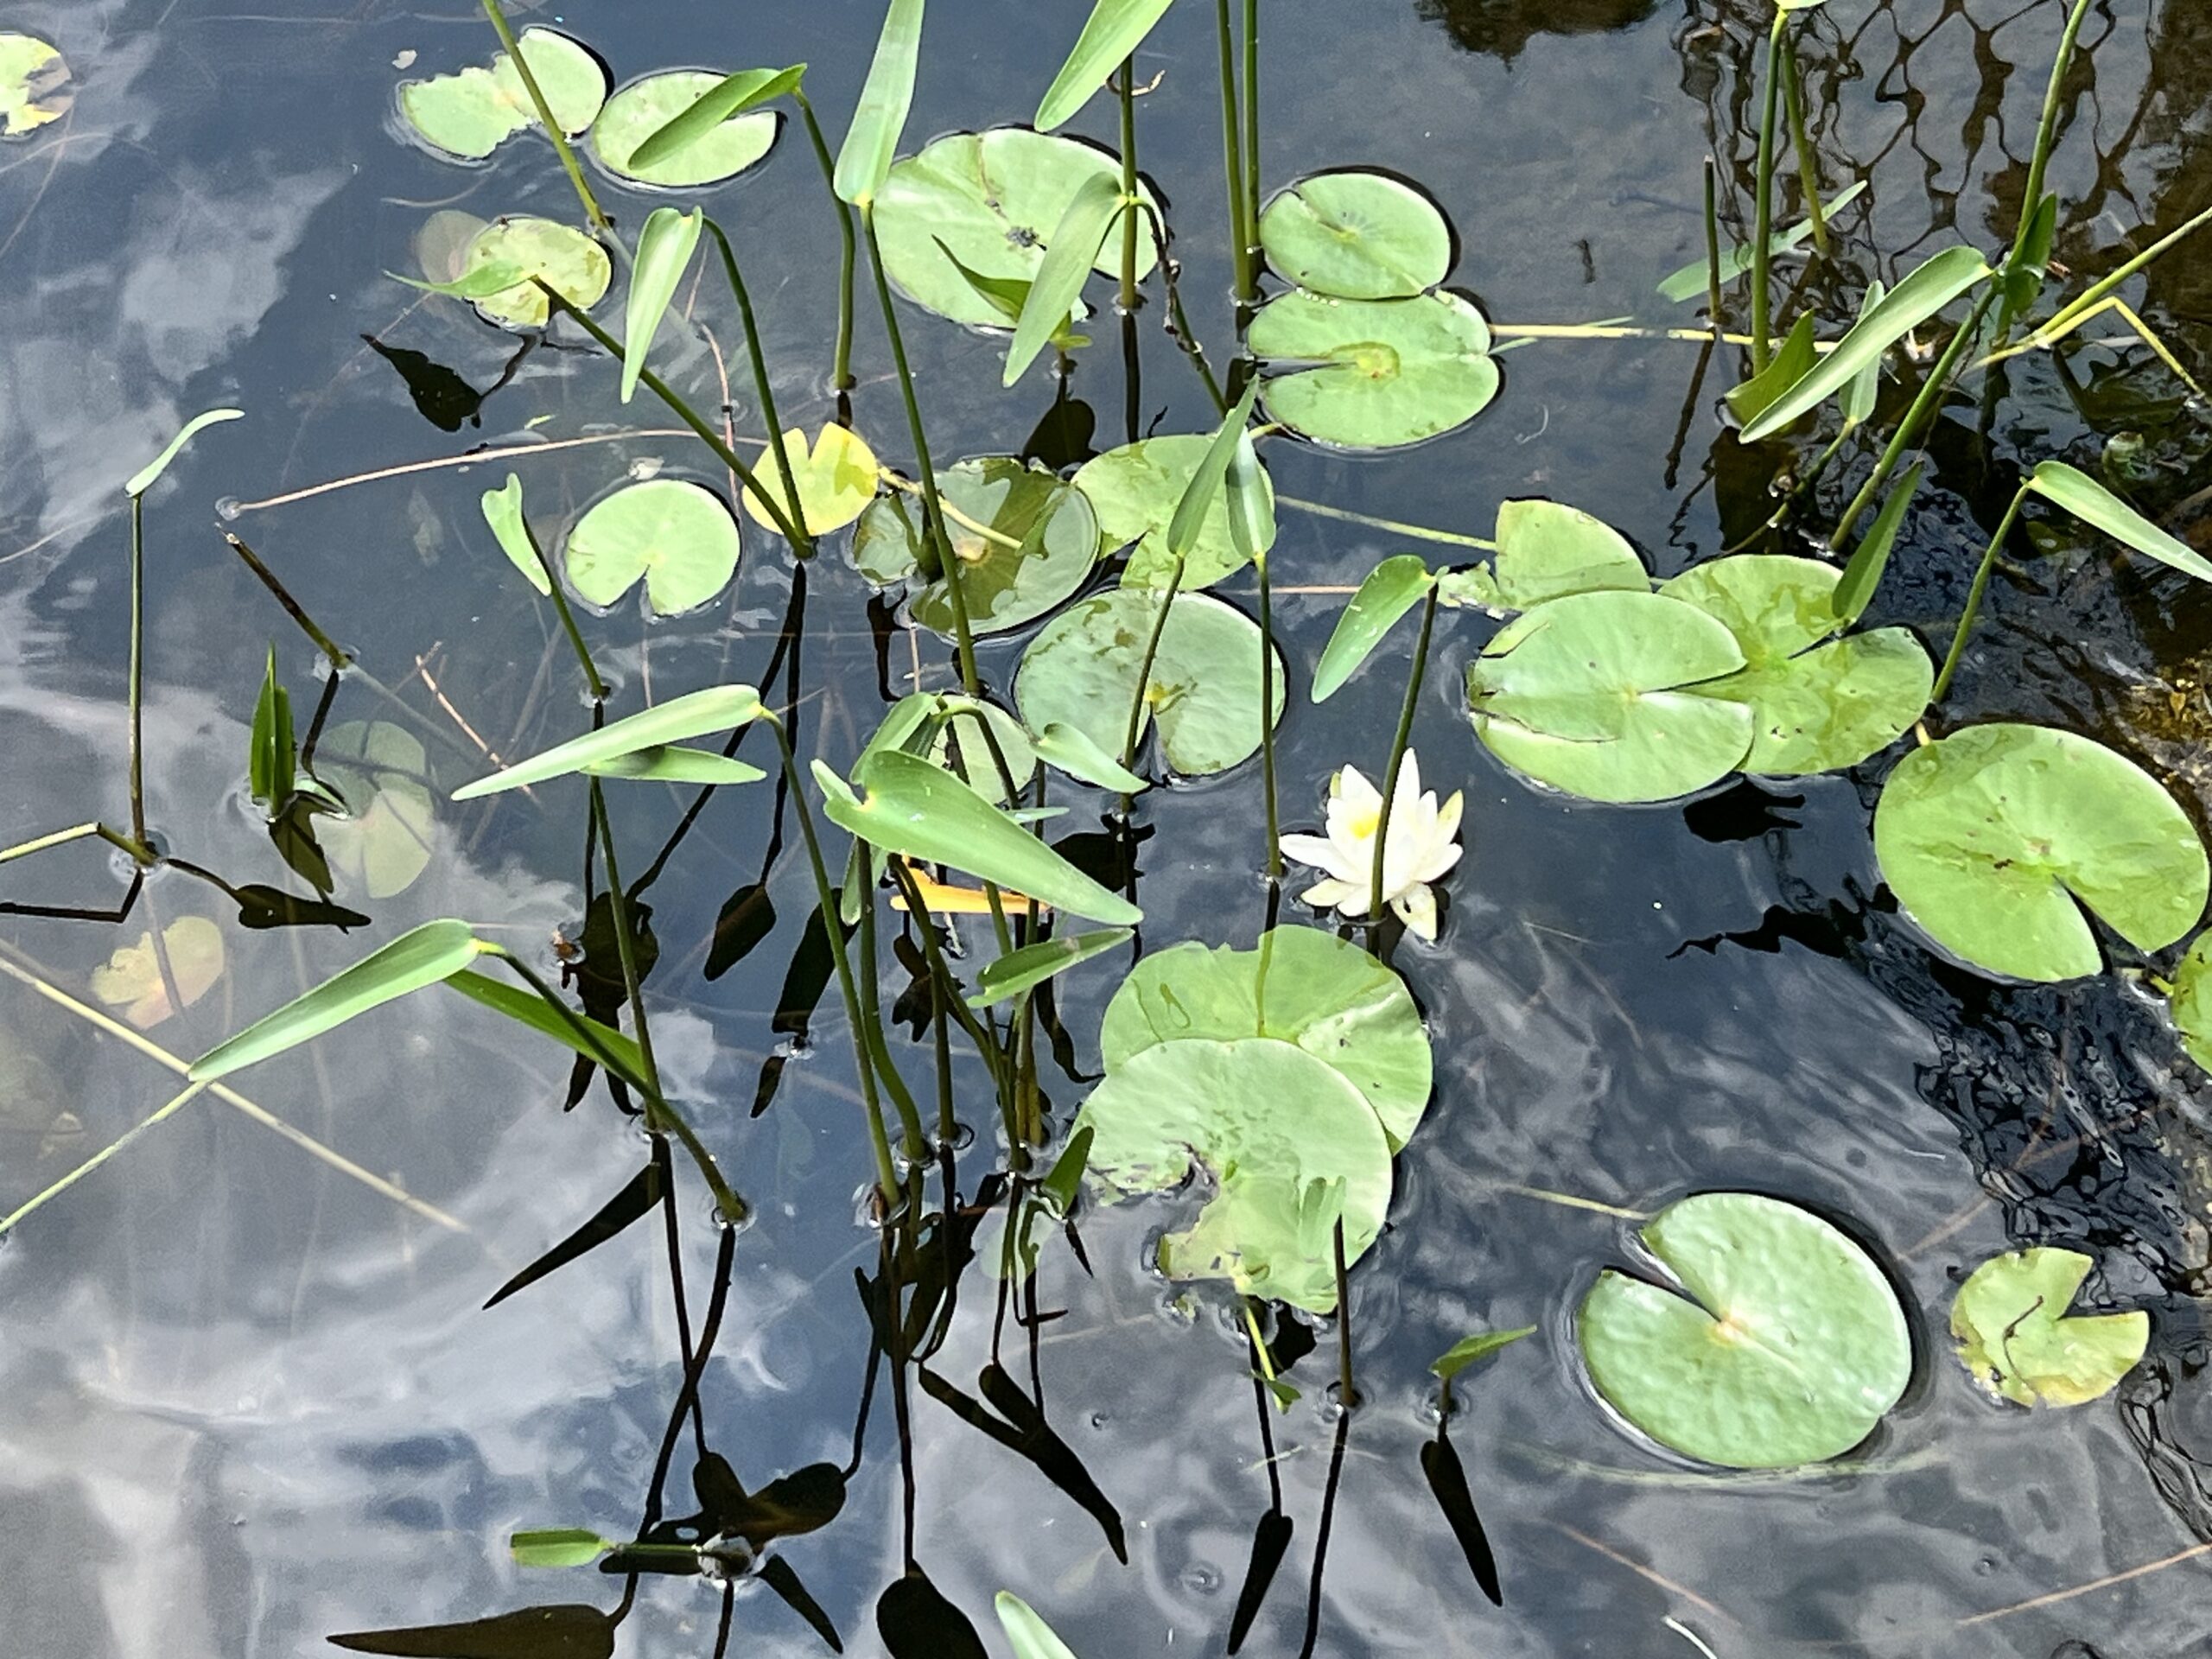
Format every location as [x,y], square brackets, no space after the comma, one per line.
[1989,837]
[1205,691]
[993,199]
[1357,236]
[32,77]
[1136,490]
[1042,543]
[567,261]
[1816,709]
[132,978]
[1322,992]
[1785,1345]
[471,113]
[644,107]
[2190,1001]
[1289,1144]
[1547,550]
[382,774]
[678,537]
[1586,694]
[1370,374]
[2010,1319]
[837,479]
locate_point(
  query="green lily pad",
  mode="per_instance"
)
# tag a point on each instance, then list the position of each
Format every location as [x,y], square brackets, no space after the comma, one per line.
[1547,550]
[1326,995]
[379,770]
[1786,1346]
[1357,236]
[1136,490]
[837,480]
[644,107]
[569,261]
[2010,1320]
[1205,691]
[1816,710]
[678,537]
[1289,1144]
[1042,544]
[993,199]
[32,76]
[1370,374]
[472,113]
[1586,694]
[1989,837]
[2190,1001]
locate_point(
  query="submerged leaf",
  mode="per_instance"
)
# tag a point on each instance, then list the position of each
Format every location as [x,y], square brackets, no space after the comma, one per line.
[133,977]
[32,75]
[679,537]
[384,843]
[643,108]
[2014,1335]
[1357,236]
[1373,374]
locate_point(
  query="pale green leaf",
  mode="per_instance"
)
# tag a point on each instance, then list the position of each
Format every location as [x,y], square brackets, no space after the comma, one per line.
[864,159]
[665,248]
[1070,250]
[1033,965]
[557,1547]
[1390,590]
[2015,1336]
[2091,502]
[1481,1346]
[1031,1636]
[1864,573]
[600,1044]
[143,479]
[1114,30]
[732,95]
[503,512]
[715,708]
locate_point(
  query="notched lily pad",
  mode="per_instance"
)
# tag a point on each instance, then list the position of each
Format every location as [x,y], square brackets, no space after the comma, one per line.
[1371,374]
[470,113]
[678,537]
[33,80]
[1547,551]
[566,260]
[1136,489]
[1026,541]
[1785,1345]
[2014,1335]
[2189,1001]
[644,107]
[1357,236]
[381,772]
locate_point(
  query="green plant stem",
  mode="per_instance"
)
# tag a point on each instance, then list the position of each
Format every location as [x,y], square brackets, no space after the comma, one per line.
[553,592]
[1447,538]
[160,1114]
[2047,128]
[684,412]
[932,506]
[1232,160]
[1251,124]
[591,210]
[337,657]
[1808,172]
[1378,906]
[1922,410]
[2071,315]
[915,1144]
[39,844]
[1179,323]
[841,378]
[1267,719]
[625,947]
[1974,593]
[949,1001]
[1712,245]
[1138,703]
[137,668]
[1763,233]
[886,1172]
[804,544]
[1130,297]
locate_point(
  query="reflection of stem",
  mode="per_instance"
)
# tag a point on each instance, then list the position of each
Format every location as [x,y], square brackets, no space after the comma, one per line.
[1232,157]
[1809,176]
[1974,596]
[1712,248]
[841,378]
[1376,904]
[1267,719]
[137,668]
[545,116]
[803,546]
[560,599]
[915,1144]
[1763,235]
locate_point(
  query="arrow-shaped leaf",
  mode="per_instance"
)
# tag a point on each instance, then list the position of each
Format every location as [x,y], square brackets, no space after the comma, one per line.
[732,95]
[716,708]
[1058,285]
[1389,591]
[664,248]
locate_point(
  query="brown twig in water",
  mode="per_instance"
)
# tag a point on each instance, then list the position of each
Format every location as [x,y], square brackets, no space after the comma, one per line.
[1650,1574]
[2105,1583]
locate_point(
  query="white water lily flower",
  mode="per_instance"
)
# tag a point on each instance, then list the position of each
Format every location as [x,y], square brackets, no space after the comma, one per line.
[1424,846]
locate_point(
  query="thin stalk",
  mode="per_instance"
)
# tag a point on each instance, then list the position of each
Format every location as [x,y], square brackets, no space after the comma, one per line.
[1179,324]
[916,1145]
[591,210]
[160,1114]
[1129,295]
[1138,703]
[625,947]
[1232,159]
[1252,123]
[1376,903]
[1922,410]
[841,376]
[1347,1391]
[59,838]
[1974,596]
[293,609]
[2076,311]
[1448,537]
[1808,172]
[1763,233]
[2047,128]
[1267,719]
[137,668]
[553,592]
[805,545]
[1712,245]
[932,507]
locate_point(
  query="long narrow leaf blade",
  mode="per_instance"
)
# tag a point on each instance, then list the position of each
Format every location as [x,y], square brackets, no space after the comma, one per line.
[1865,388]
[732,95]
[2089,501]
[1206,479]
[1031,966]
[674,764]
[145,478]
[503,512]
[716,708]
[864,159]
[922,811]
[1115,29]
[600,1044]
[1855,591]
[434,951]
[1030,1635]
[1251,502]
[557,1632]
[665,248]
[1391,589]
[1793,360]
[1903,309]
[1068,256]
[1448,1482]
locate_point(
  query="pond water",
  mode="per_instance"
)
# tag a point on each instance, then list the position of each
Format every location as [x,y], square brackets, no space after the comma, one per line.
[252,1398]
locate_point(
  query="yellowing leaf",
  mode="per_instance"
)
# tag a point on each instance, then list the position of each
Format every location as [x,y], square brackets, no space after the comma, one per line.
[132,979]
[835,482]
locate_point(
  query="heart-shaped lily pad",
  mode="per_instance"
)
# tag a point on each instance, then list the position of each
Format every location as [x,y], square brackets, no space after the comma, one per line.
[381,773]
[1815,708]
[837,479]
[678,537]
[1322,992]
[1289,1142]
[132,978]
[1586,694]
[644,107]
[471,113]
[1205,689]
[1136,489]
[1785,1345]
[32,76]
[2013,1333]
[1357,236]
[993,199]
[1989,837]
[1547,551]
[566,260]
[1370,374]
[1026,541]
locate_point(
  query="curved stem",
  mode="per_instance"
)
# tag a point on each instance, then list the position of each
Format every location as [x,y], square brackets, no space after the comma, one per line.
[805,545]
[1376,903]
[841,378]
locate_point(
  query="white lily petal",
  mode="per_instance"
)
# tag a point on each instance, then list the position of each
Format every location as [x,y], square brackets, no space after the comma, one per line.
[1417,906]
[1332,894]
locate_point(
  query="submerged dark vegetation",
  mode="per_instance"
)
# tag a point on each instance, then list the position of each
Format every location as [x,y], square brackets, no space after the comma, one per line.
[1281,1081]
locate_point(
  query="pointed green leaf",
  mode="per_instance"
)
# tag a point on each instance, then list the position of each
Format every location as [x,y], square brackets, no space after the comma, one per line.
[143,479]
[1058,1187]
[716,708]
[1481,1346]
[1864,574]
[557,1547]
[664,248]
[1032,1636]
[1903,309]
[1198,498]
[864,159]
[480,283]
[1250,500]
[1115,29]
[921,812]
[273,758]
[1865,388]
[1690,283]
[1793,360]
[1031,966]
[1076,752]
[1069,251]
[732,95]
[598,1043]
[1391,589]
[503,512]
[2094,504]
[2025,272]
[434,951]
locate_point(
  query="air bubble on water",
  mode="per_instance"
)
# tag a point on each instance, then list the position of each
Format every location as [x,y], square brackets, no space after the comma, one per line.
[227,509]
[1201,1579]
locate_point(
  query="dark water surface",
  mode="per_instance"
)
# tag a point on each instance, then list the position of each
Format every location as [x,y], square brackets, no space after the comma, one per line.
[246,1401]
